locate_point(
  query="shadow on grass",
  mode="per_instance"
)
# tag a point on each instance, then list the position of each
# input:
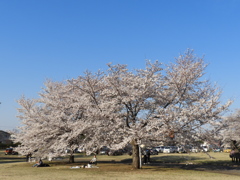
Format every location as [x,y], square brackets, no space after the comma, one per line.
[221,166]
[174,159]
[12,159]
[124,161]
[164,163]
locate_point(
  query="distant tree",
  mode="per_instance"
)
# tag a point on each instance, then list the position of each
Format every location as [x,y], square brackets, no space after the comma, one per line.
[120,106]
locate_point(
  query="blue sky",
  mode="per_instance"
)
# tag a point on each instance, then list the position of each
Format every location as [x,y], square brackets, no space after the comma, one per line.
[60,39]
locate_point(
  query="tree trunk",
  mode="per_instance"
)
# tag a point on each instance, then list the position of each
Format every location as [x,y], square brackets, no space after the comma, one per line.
[135,155]
[71,158]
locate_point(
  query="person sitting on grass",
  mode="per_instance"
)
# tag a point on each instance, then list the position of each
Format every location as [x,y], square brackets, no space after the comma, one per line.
[39,163]
[93,160]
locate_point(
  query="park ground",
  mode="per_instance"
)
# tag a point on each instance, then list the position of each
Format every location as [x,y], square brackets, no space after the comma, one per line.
[194,166]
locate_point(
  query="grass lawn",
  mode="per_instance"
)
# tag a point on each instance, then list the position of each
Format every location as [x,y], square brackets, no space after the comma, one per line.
[194,166]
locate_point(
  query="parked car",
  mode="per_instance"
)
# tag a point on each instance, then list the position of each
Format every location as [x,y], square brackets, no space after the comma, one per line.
[181,149]
[227,150]
[173,149]
[218,149]
[167,149]
[104,150]
[116,153]
[194,149]
[205,148]
[80,150]
[10,151]
[153,152]
[159,149]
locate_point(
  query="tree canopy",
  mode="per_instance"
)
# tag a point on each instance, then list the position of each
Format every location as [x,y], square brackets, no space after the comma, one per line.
[120,106]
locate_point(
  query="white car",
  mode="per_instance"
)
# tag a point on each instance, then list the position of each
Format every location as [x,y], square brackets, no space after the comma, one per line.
[159,148]
[181,149]
[205,148]
[167,149]
[194,149]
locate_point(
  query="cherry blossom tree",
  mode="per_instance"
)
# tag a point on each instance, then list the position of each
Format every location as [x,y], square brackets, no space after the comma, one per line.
[48,122]
[230,129]
[120,106]
[156,105]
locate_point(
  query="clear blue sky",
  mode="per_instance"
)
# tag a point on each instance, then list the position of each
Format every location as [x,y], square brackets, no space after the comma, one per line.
[59,39]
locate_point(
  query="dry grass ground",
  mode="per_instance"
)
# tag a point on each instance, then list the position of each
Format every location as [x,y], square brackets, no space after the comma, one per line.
[173,166]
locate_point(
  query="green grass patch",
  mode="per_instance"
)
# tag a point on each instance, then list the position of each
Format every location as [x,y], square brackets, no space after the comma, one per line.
[163,166]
